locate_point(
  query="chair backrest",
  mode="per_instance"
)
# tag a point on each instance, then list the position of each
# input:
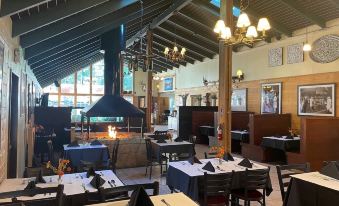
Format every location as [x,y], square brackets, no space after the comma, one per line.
[209,155]
[193,139]
[217,185]
[115,153]
[58,200]
[117,191]
[50,151]
[256,180]
[285,172]
[34,171]
[149,151]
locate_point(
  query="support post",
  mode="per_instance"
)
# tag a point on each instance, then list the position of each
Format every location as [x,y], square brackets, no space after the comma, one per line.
[149,66]
[225,78]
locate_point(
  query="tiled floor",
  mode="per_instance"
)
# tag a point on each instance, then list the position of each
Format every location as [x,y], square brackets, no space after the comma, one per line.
[137,175]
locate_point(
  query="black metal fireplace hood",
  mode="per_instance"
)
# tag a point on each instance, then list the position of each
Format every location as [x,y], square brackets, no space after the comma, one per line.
[112,104]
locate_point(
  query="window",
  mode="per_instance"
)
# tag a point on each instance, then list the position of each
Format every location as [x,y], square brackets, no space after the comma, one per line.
[83,101]
[53,100]
[66,101]
[51,89]
[127,80]
[236,11]
[98,78]
[67,84]
[83,81]
[95,98]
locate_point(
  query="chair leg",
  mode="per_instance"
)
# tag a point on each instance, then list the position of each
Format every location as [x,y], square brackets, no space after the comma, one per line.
[150,173]
[160,168]
[146,169]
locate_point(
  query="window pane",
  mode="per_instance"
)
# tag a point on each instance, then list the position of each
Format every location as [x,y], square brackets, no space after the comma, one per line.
[53,100]
[51,89]
[95,98]
[67,101]
[83,81]
[67,84]
[98,78]
[129,99]
[107,119]
[127,80]
[83,101]
[76,115]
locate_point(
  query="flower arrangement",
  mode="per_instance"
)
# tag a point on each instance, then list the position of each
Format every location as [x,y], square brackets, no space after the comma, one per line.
[62,167]
[219,150]
[293,132]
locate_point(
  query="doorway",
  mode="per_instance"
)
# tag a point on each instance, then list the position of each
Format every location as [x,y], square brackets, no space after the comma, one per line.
[13,127]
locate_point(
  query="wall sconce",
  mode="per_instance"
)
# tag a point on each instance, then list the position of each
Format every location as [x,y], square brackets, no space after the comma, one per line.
[240,76]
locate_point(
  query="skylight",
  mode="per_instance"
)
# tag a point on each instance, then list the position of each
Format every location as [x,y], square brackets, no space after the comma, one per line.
[236,10]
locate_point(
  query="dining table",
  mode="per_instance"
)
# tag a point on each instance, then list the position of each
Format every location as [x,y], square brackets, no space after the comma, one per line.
[187,178]
[86,152]
[174,199]
[74,184]
[171,147]
[312,189]
[282,143]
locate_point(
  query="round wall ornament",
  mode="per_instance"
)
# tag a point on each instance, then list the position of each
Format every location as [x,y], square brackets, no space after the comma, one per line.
[325,49]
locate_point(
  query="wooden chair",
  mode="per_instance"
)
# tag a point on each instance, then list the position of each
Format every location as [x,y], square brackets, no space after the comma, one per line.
[55,201]
[285,172]
[114,156]
[255,180]
[217,189]
[121,193]
[152,160]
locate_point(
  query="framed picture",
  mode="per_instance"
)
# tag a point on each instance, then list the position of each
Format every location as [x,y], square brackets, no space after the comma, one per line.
[271,98]
[316,100]
[275,57]
[168,84]
[239,100]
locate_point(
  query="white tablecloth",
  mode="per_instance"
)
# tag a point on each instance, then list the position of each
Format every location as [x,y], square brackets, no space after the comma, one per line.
[84,146]
[175,199]
[319,179]
[283,138]
[73,184]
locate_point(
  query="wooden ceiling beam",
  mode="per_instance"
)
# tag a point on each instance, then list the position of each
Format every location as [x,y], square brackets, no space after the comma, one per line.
[62,11]
[303,12]
[176,6]
[10,7]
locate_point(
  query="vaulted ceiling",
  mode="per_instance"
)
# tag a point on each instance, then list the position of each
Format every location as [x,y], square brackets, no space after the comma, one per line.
[60,37]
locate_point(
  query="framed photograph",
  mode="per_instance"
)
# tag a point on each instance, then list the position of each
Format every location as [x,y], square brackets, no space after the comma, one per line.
[168,84]
[239,100]
[271,98]
[316,100]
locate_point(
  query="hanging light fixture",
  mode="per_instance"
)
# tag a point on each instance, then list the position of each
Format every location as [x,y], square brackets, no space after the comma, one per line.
[307,47]
[244,33]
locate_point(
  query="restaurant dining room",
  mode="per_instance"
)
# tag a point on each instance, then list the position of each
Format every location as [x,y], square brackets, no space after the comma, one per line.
[169,102]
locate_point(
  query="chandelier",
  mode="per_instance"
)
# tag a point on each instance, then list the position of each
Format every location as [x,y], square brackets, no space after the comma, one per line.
[244,33]
[174,55]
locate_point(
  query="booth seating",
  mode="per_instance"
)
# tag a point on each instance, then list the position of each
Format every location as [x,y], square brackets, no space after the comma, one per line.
[319,142]
[262,126]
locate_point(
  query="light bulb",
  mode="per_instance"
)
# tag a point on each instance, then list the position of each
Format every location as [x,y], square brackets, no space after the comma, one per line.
[219,26]
[226,33]
[239,73]
[175,49]
[183,51]
[243,20]
[251,32]
[307,47]
[166,51]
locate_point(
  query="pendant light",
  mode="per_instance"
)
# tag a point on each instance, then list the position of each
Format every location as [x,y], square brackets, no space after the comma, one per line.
[307,47]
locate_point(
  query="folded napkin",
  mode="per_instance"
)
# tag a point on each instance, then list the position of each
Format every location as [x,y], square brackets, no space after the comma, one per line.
[161,140]
[139,197]
[228,157]
[39,178]
[178,139]
[209,167]
[30,185]
[330,170]
[96,142]
[97,181]
[245,163]
[193,160]
[90,172]
[73,144]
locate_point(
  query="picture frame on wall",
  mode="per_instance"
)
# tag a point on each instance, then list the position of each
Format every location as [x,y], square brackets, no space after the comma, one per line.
[239,100]
[168,84]
[271,98]
[317,100]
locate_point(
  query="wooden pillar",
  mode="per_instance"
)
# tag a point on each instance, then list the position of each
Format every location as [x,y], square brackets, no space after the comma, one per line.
[149,66]
[225,77]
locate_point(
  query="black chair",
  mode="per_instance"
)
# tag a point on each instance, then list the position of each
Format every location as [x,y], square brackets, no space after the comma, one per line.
[285,172]
[121,193]
[184,156]
[34,171]
[114,158]
[216,189]
[51,156]
[210,155]
[255,180]
[152,160]
[58,200]
[98,165]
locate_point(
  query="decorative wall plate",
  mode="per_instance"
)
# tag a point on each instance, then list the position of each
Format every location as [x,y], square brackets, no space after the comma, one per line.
[275,57]
[325,49]
[295,53]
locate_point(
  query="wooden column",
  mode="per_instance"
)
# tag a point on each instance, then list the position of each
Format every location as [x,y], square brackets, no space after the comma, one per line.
[225,77]
[149,66]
